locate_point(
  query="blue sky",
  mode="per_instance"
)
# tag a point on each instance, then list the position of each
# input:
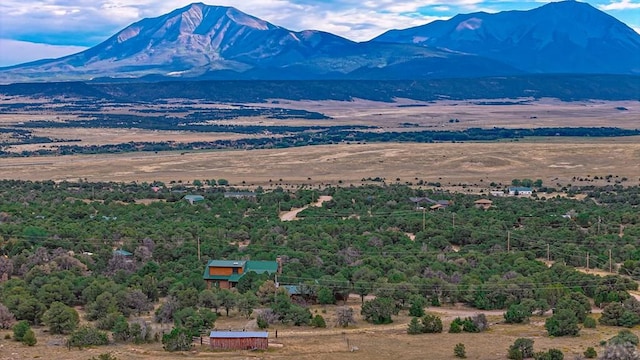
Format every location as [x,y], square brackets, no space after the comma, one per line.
[31,30]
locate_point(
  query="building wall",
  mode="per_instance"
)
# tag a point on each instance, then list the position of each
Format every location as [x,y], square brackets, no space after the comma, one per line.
[223,271]
[239,343]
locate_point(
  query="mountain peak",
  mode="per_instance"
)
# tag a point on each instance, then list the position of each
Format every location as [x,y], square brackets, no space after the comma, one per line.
[559,37]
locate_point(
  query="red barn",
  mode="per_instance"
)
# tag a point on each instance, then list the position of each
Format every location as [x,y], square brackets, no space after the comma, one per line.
[239,340]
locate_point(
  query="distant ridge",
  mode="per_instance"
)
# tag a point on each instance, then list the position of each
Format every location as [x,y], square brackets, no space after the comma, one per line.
[559,37]
[206,42]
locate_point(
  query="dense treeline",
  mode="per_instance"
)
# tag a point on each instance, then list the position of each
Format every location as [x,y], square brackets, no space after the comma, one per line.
[57,242]
[564,87]
[292,136]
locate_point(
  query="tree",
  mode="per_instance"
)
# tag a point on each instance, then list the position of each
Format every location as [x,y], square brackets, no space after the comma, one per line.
[589,322]
[104,304]
[563,322]
[516,314]
[590,353]
[417,306]
[20,329]
[87,336]
[620,352]
[29,338]
[326,296]
[431,324]
[522,348]
[246,303]
[379,310]
[460,351]
[227,299]
[344,316]
[6,317]
[318,321]
[61,318]
[177,340]
[551,354]
[414,327]
[164,314]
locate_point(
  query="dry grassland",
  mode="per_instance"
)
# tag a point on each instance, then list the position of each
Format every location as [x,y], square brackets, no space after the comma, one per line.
[372,342]
[553,161]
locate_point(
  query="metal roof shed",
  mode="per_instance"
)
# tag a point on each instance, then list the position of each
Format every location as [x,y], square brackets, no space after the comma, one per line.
[239,340]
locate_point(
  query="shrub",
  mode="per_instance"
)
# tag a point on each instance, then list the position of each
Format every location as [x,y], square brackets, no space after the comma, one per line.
[431,324]
[562,323]
[105,356]
[20,329]
[516,314]
[414,327]
[6,317]
[29,338]
[61,318]
[262,322]
[455,326]
[87,336]
[589,323]
[318,321]
[460,351]
[552,354]
[177,340]
[590,353]
[522,348]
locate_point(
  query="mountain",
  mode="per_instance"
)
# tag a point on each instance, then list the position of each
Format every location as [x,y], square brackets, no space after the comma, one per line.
[216,42]
[206,42]
[559,37]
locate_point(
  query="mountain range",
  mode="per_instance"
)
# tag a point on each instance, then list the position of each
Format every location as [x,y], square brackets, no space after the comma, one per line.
[215,42]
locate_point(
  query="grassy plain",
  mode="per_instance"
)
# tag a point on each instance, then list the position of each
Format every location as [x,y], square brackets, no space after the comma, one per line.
[372,341]
[555,160]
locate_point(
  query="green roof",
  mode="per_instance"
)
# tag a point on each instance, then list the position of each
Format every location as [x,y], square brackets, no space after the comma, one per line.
[258,267]
[261,267]
[226,263]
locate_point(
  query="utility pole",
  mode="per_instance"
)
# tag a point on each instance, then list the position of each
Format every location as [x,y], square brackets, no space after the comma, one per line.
[508,241]
[424,219]
[599,221]
[587,261]
[610,263]
[548,253]
[198,248]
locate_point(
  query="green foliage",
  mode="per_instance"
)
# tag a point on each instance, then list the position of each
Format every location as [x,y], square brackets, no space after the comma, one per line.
[379,310]
[624,337]
[590,353]
[589,323]
[517,313]
[552,354]
[459,351]
[522,348]
[87,336]
[177,340]
[326,296]
[417,307]
[414,327]
[456,326]
[318,321]
[431,324]
[617,314]
[29,338]
[61,318]
[20,329]
[194,321]
[563,322]
[262,322]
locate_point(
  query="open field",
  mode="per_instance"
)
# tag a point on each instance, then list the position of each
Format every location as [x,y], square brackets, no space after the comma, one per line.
[372,341]
[553,160]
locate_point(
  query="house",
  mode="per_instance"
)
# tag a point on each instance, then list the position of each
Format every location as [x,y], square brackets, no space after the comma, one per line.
[193,198]
[437,204]
[239,340]
[248,195]
[517,190]
[120,252]
[225,274]
[483,204]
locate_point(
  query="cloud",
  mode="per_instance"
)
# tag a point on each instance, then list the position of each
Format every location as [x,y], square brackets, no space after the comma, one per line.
[620,5]
[14,52]
[89,22]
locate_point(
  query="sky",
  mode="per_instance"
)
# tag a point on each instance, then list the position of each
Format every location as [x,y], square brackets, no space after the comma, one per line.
[32,30]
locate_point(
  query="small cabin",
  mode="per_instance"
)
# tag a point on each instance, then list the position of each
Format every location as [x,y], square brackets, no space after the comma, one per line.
[239,340]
